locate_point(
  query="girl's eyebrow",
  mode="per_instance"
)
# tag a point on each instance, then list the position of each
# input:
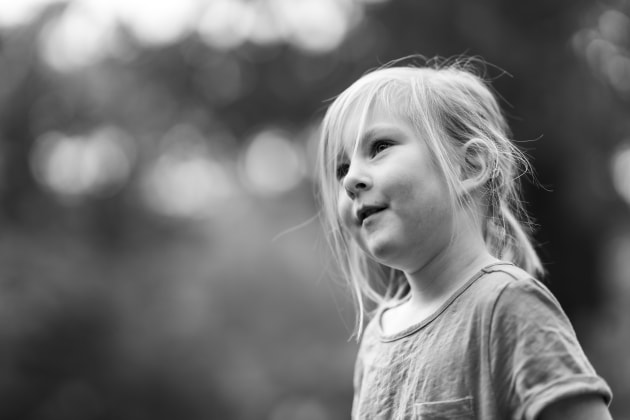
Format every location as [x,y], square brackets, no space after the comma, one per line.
[376,131]
[367,135]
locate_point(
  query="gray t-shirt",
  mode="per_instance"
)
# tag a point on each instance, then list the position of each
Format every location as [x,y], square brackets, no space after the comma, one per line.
[500,348]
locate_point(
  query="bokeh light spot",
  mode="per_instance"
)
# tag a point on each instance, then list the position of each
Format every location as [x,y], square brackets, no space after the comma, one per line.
[620,167]
[225,23]
[314,25]
[614,26]
[271,164]
[186,187]
[96,164]
[598,52]
[265,29]
[75,39]
[159,22]
[15,13]
[185,181]
[618,71]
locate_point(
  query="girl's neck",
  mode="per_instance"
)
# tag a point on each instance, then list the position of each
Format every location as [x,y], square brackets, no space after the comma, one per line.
[449,269]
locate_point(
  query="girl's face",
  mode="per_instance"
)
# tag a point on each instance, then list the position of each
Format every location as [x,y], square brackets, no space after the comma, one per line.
[393,200]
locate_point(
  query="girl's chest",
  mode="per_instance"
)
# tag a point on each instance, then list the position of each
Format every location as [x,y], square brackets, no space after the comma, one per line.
[431,375]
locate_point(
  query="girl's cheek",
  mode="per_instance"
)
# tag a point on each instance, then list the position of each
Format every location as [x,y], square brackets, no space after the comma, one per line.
[344,210]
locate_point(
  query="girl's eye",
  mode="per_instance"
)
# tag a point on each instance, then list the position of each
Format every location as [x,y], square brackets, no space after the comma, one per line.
[342,170]
[378,146]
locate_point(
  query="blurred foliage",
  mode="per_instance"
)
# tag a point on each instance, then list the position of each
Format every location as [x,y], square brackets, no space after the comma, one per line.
[144,173]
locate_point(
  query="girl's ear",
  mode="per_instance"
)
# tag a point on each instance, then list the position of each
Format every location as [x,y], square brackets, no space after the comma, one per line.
[476,168]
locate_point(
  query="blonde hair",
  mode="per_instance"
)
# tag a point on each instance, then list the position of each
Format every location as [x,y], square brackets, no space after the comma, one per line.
[450,105]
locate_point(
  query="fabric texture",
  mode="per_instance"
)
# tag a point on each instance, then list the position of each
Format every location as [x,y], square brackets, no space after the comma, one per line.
[500,348]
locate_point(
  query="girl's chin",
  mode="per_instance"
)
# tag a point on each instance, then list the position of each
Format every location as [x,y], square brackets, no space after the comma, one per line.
[382,251]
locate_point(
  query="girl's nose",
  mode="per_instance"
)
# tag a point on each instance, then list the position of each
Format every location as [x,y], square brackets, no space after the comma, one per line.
[356,181]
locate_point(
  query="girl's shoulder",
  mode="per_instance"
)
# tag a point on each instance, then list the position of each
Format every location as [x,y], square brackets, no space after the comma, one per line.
[501,276]
[506,272]
[506,286]
[512,293]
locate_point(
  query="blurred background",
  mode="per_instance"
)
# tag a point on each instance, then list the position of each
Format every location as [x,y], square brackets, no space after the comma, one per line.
[151,150]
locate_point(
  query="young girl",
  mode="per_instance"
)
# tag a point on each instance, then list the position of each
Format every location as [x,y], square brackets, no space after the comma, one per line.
[418,190]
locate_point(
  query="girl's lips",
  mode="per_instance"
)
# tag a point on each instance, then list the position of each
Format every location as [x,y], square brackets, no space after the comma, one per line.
[367,211]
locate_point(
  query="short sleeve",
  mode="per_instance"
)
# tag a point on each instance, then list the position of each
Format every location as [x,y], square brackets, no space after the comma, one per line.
[535,356]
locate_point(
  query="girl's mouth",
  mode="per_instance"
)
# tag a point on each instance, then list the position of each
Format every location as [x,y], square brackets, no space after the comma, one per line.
[366,211]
